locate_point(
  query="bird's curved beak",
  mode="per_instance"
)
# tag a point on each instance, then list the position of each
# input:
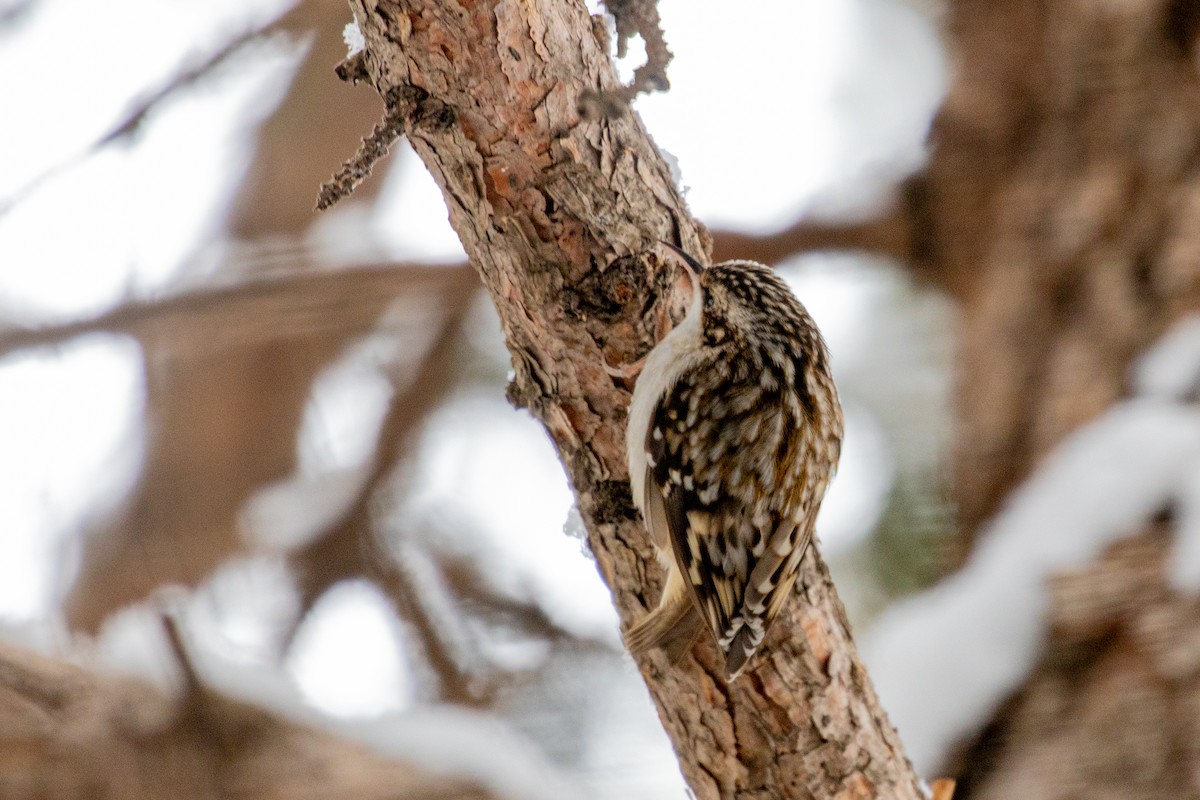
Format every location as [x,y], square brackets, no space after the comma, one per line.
[693,267]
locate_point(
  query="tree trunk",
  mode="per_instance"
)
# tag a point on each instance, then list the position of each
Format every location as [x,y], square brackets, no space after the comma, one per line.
[1061,208]
[553,211]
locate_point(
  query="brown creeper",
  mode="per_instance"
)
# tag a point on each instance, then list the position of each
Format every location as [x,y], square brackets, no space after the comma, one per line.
[735,429]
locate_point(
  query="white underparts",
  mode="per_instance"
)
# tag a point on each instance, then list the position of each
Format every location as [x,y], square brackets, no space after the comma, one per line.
[670,358]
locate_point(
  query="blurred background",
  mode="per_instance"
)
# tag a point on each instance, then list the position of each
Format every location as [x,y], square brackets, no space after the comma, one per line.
[289,431]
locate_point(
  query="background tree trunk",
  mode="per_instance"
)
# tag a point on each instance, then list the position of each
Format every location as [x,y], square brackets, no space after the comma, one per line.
[1061,208]
[553,211]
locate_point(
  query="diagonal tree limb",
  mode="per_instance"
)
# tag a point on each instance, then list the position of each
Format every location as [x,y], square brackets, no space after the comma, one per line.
[553,212]
[350,548]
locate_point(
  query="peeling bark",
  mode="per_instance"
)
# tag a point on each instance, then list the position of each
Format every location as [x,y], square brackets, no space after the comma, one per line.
[553,211]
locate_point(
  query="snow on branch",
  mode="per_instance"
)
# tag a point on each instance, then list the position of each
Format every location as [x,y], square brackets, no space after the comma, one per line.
[1170,370]
[944,659]
[352,36]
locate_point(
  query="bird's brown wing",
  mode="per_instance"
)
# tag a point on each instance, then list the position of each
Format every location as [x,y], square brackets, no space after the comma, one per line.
[725,449]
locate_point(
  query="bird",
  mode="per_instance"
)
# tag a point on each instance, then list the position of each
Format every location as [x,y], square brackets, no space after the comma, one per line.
[733,434]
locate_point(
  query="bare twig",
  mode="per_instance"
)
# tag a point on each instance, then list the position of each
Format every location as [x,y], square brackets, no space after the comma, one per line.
[408,107]
[357,168]
[191,680]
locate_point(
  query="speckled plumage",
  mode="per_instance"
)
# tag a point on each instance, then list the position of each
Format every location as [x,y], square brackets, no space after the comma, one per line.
[735,429]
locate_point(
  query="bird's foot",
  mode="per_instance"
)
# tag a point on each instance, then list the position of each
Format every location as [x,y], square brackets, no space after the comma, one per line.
[625,372]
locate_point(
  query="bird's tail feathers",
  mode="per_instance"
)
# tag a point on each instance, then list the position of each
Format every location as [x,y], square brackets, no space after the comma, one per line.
[740,651]
[674,626]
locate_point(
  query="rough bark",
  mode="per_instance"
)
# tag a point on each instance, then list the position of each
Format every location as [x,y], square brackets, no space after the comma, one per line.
[1061,208]
[68,735]
[553,211]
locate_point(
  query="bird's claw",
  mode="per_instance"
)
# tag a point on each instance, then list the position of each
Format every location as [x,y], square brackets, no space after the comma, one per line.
[626,372]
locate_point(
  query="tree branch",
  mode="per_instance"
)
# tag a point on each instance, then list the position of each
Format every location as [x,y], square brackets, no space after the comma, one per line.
[553,211]
[289,305]
[888,234]
[349,549]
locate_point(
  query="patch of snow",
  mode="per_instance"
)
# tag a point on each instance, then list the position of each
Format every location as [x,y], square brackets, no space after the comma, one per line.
[574,528]
[353,37]
[1170,370]
[132,642]
[942,660]
[70,448]
[292,512]
[246,608]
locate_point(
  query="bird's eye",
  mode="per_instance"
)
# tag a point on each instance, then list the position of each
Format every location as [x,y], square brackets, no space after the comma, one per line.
[708,301]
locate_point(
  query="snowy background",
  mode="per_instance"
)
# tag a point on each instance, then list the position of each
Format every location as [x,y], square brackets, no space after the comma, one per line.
[84,229]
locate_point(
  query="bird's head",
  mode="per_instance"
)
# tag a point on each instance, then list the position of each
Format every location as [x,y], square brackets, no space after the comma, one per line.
[739,299]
